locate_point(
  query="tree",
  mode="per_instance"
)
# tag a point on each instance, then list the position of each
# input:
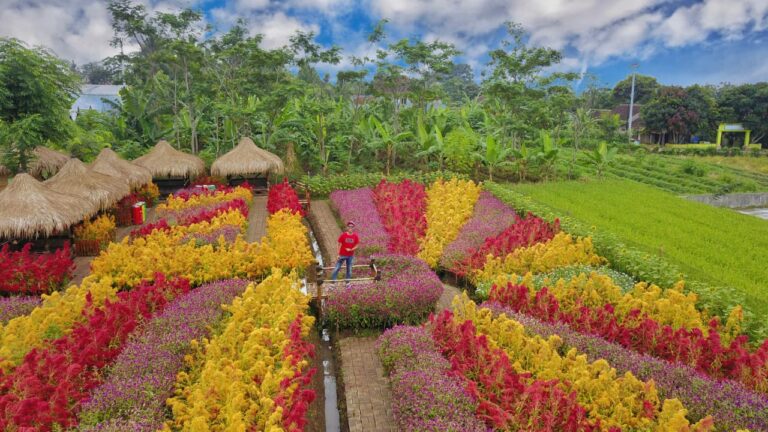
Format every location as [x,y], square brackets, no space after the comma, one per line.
[645,88]
[671,111]
[459,84]
[35,82]
[100,73]
[746,104]
[493,155]
[424,62]
[601,157]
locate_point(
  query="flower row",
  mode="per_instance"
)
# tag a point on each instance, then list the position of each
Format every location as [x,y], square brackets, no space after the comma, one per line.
[283,196]
[23,272]
[449,205]
[611,400]
[45,390]
[402,207]
[244,378]
[201,197]
[407,293]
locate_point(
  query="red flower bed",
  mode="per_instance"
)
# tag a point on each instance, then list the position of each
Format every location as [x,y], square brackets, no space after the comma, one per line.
[24,272]
[283,196]
[145,230]
[507,400]
[522,233]
[296,404]
[403,208]
[638,332]
[47,388]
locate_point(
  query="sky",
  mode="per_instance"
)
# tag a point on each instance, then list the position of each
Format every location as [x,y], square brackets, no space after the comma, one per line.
[679,42]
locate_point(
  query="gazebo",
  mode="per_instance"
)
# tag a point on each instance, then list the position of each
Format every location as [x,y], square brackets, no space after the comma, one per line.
[109,163]
[171,169]
[248,162]
[47,162]
[29,211]
[101,190]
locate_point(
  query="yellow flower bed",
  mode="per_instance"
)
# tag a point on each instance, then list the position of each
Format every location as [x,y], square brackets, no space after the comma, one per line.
[449,206]
[614,400]
[174,203]
[54,317]
[129,262]
[101,228]
[235,376]
[562,250]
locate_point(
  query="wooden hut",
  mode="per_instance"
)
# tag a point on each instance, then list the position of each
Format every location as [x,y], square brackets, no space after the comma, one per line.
[29,211]
[248,162]
[47,162]
[171,169]
[108,162]
[101,190]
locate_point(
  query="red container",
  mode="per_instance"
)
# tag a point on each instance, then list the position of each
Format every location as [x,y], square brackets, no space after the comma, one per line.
[138,214]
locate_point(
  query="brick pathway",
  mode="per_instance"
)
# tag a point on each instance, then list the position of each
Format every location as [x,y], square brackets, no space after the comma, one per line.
[326,229]
[369,399]
[257,219]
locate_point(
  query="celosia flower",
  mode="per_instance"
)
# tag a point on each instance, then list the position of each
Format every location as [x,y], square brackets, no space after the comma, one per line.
[357,205]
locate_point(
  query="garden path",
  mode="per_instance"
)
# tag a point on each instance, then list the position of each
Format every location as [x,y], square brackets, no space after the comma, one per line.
[449,292]
[257,219]
[326,229]
[83,264]
[369,399]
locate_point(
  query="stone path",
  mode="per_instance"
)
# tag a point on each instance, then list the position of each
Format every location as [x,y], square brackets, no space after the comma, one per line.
[326,229]
[369,400]
[257,219]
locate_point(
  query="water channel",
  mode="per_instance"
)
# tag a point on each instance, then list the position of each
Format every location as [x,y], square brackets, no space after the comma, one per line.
[762,213]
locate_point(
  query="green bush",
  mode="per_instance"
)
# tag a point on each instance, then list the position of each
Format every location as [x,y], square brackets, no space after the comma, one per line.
[322,186]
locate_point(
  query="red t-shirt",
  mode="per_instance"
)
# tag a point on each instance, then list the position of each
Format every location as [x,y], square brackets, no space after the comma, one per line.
[346,242]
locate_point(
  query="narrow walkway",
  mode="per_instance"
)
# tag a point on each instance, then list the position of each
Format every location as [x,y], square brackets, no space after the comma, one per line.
[449,292]
[326,229]
[257,219]
[369,399]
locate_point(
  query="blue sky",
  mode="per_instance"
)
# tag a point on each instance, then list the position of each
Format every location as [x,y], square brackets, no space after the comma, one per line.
[680,42]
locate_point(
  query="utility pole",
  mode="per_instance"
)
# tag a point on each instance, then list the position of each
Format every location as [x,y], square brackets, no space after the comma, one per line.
[632,100]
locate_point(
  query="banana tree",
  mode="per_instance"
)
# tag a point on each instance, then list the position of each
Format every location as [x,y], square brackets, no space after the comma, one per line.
[548,154]
[493,155]
[524,158]
[602,157]
[436,142]
[388,139]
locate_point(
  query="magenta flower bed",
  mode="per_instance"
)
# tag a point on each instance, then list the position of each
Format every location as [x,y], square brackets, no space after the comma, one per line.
[424,396]
[358,205]
[143,376]
[732,405]
[489,218]
[406,294]
[12,307]
[230,233]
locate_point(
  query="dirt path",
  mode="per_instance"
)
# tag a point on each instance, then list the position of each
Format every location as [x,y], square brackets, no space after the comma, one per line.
[449,292]
[257,219]
[326,229]
[369,399]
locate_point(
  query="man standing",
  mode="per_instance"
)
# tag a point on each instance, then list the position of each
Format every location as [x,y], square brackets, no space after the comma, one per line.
[348,241]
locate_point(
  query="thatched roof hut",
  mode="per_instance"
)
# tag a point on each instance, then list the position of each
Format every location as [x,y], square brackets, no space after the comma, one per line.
[47,162]
[102,190]
[109,163]
[29,209]
[164,162]
[247,160]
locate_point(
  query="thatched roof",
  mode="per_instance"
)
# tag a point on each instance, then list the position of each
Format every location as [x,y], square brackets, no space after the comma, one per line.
[29,209]
[102,190]
[47,162]
[164,161]
[247,159]
[109,163]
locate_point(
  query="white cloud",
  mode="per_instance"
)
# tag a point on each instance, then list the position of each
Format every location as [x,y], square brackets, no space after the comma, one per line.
[277,28]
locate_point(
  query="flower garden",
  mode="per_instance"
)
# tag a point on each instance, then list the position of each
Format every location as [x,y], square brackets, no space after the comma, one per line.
[185,326]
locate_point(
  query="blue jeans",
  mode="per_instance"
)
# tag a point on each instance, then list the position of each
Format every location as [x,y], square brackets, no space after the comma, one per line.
[339,262]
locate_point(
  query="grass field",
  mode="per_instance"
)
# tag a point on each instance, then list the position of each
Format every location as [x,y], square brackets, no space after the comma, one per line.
[717,246]
[755,164]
